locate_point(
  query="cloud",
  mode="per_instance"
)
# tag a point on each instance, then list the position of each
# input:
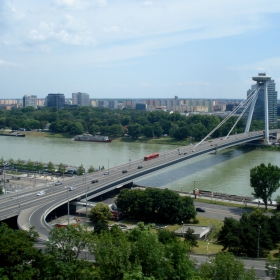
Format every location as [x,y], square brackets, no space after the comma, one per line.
[79,4]
[269,65]
[7,63]
[124,29]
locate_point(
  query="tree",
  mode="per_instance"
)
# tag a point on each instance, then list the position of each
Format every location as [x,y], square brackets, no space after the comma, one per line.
[50,167]
[112,255]
[229,234]
[148,131]
[277,199]
[61,168]
[2,161]
[100,212]
[81,170]
[39,166]
[94,129]
[134,130]
[100,226]
[91,169]
[11,162]
[62,261]
[190,238]
[30,165]
[265,181]
[273,268]
[225,266]
[19,164]
[19,257]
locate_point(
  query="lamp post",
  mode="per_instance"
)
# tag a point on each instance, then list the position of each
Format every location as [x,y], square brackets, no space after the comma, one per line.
[67,189]
[194,189]
[182,231]
[258,255]
[207,247]
[86,193]
[18,202]
[4,173]
[108,165]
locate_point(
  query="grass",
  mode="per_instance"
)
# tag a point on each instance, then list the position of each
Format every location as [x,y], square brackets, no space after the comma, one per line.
[47,134]
[13,173]
[232,204]
[165,140]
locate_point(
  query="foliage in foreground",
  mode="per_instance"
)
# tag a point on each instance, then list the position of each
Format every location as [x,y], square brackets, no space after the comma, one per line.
[253,231]
[225,266]
[140,254]
[265,181]
[156,205]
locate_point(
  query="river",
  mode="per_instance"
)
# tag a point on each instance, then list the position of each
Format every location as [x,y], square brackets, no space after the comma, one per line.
[227,172]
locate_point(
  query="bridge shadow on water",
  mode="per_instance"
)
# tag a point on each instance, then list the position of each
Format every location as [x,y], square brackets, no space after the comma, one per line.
[160,179]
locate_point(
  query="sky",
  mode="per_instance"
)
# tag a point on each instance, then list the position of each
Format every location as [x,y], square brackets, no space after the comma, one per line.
[137,49]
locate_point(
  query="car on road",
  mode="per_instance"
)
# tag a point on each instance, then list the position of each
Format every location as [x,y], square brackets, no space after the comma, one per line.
[140,167]
[94,181]
[124,171]
[199,209]
[71,188]
[106,173]
[40,193]
[58,183]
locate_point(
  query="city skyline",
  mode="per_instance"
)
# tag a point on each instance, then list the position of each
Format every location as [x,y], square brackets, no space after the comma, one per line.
[137,49]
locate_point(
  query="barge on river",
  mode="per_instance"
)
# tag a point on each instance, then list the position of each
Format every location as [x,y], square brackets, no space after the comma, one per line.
[12,134]
[92,138]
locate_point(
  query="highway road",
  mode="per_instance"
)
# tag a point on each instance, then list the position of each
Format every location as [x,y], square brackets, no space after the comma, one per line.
[11,204]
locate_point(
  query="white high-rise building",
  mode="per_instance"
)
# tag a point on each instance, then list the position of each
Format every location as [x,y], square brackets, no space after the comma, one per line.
[30,100]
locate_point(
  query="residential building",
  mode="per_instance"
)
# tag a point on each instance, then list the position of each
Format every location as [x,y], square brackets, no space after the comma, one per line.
[113,104]
[80,98]
[30,100]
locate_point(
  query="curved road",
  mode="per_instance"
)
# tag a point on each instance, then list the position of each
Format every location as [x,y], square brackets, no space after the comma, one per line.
[11,204]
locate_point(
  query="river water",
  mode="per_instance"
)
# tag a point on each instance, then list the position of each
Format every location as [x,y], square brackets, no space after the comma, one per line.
[227,172]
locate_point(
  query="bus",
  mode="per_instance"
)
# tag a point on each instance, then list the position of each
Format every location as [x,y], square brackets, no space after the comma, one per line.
[151,156]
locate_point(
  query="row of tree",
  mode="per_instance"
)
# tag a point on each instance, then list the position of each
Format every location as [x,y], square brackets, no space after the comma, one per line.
[156,205]
[40,167]
[140,254]
[253,235]
[118,122]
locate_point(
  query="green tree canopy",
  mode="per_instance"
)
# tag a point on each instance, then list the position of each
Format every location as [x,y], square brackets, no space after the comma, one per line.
[19,257]
[100,212]
[225,266]
[265,181]
[64,253]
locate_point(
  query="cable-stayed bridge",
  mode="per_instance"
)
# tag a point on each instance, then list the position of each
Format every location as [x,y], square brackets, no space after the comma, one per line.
[33,210]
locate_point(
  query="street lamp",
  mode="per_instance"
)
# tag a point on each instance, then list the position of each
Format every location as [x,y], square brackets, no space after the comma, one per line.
[258,255]
[86,193]
[207,247]
[4,173]
[182,230]
[67,189]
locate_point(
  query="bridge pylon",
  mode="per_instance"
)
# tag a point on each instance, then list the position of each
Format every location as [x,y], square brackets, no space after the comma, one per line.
[262,82]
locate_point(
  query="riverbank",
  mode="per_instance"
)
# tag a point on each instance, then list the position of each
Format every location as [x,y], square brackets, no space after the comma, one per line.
[164,140]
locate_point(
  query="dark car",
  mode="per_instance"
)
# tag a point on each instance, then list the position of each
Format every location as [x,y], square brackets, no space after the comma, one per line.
[94,181]
[140,166]
[124,171]
[200,209]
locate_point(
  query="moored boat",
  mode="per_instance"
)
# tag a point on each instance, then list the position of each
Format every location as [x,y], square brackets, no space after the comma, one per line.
[92,138]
